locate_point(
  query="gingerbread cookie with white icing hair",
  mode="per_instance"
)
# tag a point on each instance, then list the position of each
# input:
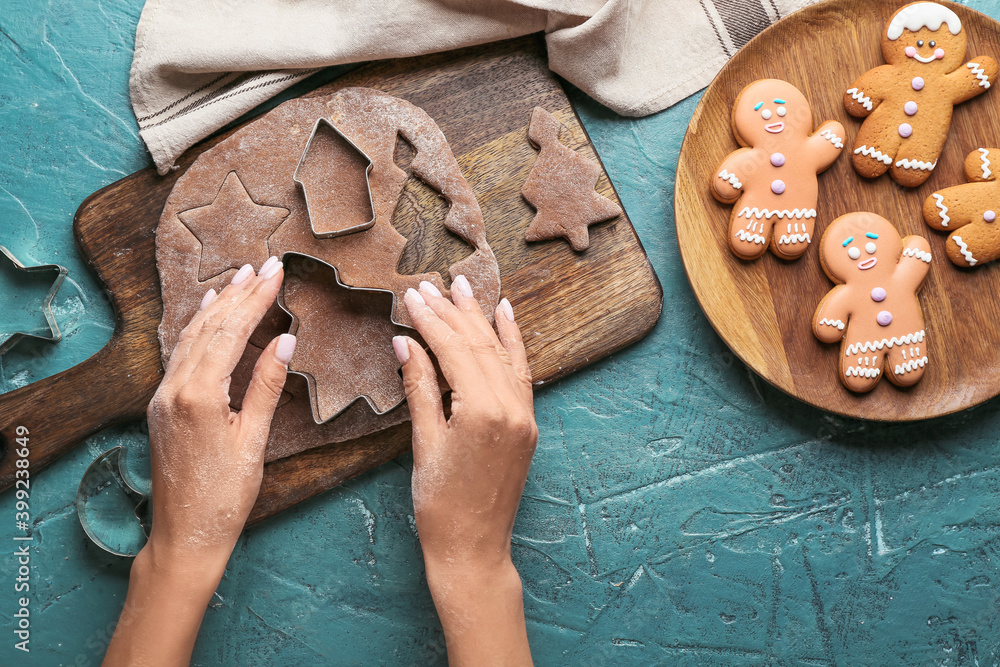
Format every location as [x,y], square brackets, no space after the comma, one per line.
[874,309]
[907,104]
[772,180]
[969,211]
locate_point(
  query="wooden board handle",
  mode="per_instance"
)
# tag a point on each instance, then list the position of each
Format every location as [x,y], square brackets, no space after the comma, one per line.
[57,413]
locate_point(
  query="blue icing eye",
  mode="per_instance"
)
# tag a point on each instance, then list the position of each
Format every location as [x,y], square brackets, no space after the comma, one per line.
[759,105]
[777,101]
[849,239]
[872,235]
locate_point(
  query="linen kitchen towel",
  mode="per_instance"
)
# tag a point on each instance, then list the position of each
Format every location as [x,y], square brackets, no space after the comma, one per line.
[200,64]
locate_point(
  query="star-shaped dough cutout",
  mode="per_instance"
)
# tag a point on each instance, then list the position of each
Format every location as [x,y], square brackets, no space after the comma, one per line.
[344,347]
[233,230]
[561,187]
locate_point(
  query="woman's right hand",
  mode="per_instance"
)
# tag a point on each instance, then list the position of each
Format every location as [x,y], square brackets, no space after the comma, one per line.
[469,470]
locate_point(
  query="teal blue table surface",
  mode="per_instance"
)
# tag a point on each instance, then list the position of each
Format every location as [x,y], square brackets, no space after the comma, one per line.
[679,509]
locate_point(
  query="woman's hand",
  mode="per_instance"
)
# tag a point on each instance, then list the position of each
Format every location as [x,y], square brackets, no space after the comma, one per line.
[207,462]
[469,470]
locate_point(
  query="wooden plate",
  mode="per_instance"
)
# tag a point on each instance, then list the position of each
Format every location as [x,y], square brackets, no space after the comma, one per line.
[763,309]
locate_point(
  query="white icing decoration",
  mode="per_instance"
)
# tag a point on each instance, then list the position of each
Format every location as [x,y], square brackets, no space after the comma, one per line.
[870,248]
[980,73]
[794,238]
[916,164]
[861,371]
[944,209]
[860,348]
[766,114]
[783,213]
[908,366]
[984,156]
[922,255]
[858,96]
[832,138]
[833,323]
[731,178]
[754,238]
[962,246]
[853,252]
[872,153]
[919,15]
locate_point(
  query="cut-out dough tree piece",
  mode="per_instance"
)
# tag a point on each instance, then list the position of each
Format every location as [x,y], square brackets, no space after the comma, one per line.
[561,187]
[970,211]
[233,229]
[350,326]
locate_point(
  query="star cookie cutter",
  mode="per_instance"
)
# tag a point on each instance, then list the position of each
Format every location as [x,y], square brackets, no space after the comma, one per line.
[310,380]
[9,338]
[316,222]
[103,488]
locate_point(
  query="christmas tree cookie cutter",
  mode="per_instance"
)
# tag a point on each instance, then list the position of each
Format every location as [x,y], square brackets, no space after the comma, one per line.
[331,210]
[386,400]
[10,334]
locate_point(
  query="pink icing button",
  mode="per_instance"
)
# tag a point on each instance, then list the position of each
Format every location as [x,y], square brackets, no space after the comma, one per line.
[777,159]
[989,216]
[777,187]
[910,108]
[905,130]
[939,53]
[884,318]
[917,83]
[910,51]
[878,294]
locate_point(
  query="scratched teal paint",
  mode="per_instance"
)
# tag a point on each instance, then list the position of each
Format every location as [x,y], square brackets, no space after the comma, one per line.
[679,510]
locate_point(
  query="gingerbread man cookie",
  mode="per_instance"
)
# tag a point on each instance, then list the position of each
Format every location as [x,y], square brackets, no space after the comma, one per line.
[772,180]
[969,211]
[874,308]
[907,104]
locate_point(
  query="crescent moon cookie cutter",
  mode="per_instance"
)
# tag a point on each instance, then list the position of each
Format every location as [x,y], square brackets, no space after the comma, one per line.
[327,224]
[105,477]
[319,417]
[9,336]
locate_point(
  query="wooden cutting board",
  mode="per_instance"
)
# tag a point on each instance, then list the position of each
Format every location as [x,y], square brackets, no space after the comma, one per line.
[763,308]
[574,308]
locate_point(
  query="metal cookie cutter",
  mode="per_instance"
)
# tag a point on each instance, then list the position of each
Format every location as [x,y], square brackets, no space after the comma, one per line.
[311,381]
[326,224]
[9,338]
[107,492]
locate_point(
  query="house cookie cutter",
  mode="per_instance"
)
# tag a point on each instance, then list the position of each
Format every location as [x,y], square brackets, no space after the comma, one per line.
[315,219]
[105,485]
[310,381]
[9,338]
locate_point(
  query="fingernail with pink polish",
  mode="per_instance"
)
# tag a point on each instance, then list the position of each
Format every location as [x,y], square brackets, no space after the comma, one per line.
[207,299]
[267,265]
[402,348]
[507,310]
[461,283]
[270,268]
[429,288]
[285,348]
[242,274]
[415,295]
